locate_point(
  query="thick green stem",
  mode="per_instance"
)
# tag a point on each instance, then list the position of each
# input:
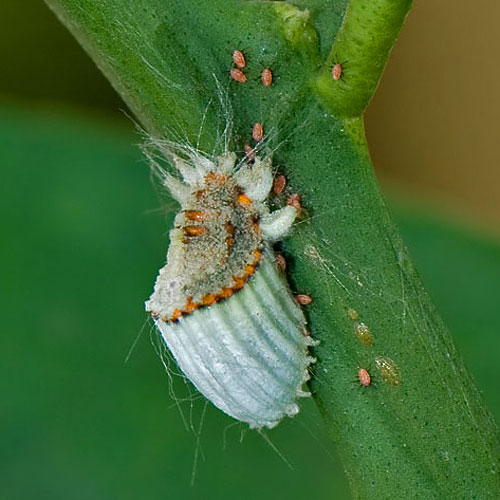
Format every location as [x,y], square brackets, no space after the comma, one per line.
[362,45]
[420,429]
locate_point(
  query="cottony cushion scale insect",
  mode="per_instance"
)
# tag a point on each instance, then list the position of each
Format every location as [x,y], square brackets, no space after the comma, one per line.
[221,303]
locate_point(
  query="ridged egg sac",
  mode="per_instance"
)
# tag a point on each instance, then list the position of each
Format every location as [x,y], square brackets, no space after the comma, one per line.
[223,307]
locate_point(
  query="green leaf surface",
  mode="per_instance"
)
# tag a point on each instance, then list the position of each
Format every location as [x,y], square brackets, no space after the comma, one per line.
[428,436]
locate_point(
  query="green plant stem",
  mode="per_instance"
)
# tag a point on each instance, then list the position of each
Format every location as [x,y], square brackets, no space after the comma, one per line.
[362,47]
[429,436]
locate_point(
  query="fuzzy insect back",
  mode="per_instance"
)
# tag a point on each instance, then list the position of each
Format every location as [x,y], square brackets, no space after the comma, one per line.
[221,304]
[215,246]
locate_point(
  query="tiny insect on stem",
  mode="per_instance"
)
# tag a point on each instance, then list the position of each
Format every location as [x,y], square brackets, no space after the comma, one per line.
[267,77]
[294,201]
[364,377]
[238,75]
[239,59]
[337,71]
[257,132]
[364,334]
[279,184]
[388,370]
[303,299]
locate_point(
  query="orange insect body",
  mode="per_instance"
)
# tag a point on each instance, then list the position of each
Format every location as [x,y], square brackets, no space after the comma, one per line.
[267,77]
[238,75]
[364,377]
[257,132]
[195,215]
[243,199]
[194,230]
[279,184]
[239,59]
[337,71]
[303,299]
[294,201]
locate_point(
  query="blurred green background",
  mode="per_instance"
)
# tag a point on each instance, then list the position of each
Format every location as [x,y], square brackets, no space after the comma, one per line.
[84,233]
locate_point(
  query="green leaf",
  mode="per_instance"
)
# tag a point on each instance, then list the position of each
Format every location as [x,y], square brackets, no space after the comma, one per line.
[429,436]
